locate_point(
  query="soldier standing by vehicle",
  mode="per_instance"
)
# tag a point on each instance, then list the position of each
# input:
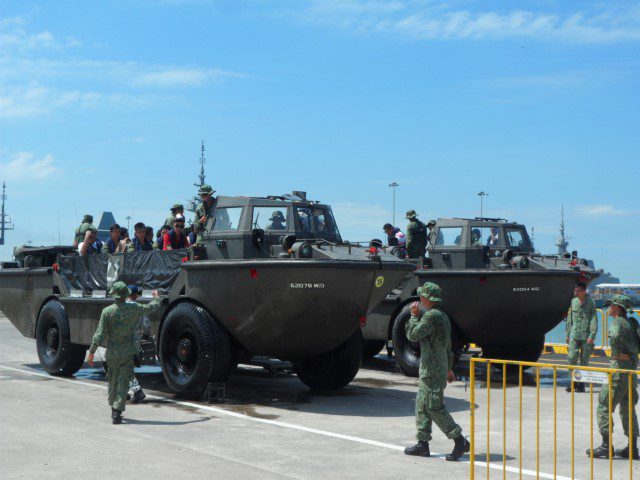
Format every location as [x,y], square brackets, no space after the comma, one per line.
[582,327]
[625,346]
[142,330]
[116,331]
[87,223]
[433,331]
[416,236]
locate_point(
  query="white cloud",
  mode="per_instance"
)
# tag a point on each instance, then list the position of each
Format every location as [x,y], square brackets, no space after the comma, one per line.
[23,165]
[14,36]
[34,99]
[172,77]
[421,20]
[600,210]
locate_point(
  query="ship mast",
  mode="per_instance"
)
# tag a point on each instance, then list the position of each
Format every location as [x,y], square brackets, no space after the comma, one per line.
[562,242]
[193,202]
[5,220]
[202,162]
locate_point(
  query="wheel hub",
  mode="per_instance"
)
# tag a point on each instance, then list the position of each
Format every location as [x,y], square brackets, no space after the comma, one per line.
[185,350]
[53,338]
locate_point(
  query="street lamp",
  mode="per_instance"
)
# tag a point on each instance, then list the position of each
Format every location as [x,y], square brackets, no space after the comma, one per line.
[394,185]
[481,194]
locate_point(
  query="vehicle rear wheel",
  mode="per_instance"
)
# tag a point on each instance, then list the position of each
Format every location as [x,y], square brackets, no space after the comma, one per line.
[332,370]
[527,352]
[58,356]
[407,353]
[194,350]
[370,348]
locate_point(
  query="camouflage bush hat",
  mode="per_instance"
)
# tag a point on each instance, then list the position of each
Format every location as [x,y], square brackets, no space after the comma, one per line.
[277,214]
[87,219]
[411,214]
[177,206]
[622,301]
[430,291]
[119,290]
[206,189]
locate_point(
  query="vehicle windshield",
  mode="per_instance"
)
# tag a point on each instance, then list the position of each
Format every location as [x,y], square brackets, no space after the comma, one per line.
[227,218]
[269,218]
[481,236]
[449,236]
[516,237]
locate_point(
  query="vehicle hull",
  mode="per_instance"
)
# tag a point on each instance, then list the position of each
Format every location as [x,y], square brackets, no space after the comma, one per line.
[501,308]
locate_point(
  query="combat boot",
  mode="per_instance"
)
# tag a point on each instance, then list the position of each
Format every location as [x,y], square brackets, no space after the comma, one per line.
[624,452]
[603,450]
[461,447]
[579,387]
[116,416]
[421,448]
[138,396]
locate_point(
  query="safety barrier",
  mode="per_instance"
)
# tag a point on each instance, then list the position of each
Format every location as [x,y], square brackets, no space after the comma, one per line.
[588,375]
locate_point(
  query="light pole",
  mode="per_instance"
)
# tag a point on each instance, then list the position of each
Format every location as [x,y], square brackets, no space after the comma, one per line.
[394,185]
[481,195]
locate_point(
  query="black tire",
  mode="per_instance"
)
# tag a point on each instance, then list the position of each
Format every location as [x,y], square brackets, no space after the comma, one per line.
[194,350]
[332,370]
[527,352]
[58,356]
[407,353]
[370,348]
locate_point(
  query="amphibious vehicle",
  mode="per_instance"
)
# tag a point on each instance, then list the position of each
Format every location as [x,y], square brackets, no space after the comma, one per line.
[498,293]
[272,278]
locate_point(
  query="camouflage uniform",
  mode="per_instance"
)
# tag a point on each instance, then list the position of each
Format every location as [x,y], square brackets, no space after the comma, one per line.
[582,325]
[623,339]
[203,210]
[416,236]
[87,223]
[116,331]
[433,331]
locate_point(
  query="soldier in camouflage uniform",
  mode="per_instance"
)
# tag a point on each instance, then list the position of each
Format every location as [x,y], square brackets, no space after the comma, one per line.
[116,331]
[416,236]
[143,330]
[582,327]
[625,346]
[177,208]
[87,223]
[433,331]
[205,210]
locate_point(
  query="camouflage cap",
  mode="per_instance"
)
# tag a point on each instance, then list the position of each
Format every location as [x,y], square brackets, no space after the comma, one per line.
[411,214]
[430,291]
[622,301]
[87,219]
[432,223]
[277,214]
[119,290]
[206,189]
[177,206]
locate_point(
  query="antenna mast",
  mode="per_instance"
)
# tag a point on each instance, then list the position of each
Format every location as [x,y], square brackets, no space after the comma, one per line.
[5,220]
[562,242]
[202,162]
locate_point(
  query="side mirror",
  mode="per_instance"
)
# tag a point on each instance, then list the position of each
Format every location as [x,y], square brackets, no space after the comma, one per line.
[287,242]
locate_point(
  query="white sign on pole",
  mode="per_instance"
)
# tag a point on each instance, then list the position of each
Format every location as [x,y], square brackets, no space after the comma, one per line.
[588,376]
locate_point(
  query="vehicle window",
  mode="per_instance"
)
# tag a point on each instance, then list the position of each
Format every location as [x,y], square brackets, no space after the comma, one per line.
[270,218]
[323,221]
[449,236]
[515,237]
[485,236]
[304,219]
[227,219]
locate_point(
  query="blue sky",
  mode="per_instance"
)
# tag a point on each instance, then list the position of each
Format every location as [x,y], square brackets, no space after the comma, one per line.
[103,106]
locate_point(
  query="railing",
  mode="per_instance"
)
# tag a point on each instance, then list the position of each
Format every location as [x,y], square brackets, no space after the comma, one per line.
[576,374]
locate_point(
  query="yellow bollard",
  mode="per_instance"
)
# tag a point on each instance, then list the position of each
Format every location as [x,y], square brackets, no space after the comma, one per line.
[472,400]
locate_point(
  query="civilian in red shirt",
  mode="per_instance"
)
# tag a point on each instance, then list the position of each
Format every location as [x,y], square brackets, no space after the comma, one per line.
[175,238]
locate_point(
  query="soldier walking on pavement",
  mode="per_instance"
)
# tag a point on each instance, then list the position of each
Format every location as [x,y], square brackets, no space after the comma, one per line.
[433,331]
[117,332]
[416,236]
[625,346]
[582,327]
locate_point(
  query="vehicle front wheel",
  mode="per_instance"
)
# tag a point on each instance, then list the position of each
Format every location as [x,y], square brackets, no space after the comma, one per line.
[407,353]
[58,356]
[332,370]
[194,350]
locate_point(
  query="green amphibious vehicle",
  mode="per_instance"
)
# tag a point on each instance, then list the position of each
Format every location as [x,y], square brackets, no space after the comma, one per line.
[498,292]
[272,278]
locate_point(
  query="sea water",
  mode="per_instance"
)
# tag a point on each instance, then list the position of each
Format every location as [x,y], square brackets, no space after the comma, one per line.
[559,333]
